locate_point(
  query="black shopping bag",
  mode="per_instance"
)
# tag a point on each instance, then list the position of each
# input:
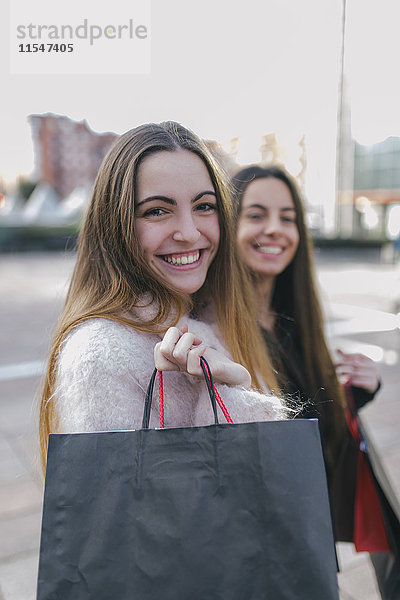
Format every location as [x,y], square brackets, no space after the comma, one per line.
[223,512]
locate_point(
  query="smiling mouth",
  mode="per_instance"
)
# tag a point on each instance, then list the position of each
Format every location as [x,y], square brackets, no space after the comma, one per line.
[182,259]
[269,249]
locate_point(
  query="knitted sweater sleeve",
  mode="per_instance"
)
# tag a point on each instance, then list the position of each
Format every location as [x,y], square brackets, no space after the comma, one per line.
[103,370]
[244,406]
[96,384]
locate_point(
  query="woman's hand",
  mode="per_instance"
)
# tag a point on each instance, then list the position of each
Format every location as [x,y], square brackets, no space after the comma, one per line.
[357,370]
[180,350]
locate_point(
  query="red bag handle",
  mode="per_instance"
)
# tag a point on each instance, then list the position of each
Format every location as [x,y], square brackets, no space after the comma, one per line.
[218,398]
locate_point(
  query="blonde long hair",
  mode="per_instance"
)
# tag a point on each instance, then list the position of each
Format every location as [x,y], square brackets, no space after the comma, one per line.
[111,276]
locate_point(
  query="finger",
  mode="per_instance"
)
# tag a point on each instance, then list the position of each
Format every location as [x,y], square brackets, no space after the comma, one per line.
[352,357]
[344,369]
[193,360]
[184,329]
[163,351]
[344,360]
[365,368]
[343,355]
[353,362]
[337,365]
[171,336]
[359,359]
[365,361]
[182,348]
[169,340]
[365,378]
[161,362]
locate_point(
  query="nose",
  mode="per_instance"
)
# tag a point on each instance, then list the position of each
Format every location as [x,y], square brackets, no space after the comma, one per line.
[272,225]
[186,230]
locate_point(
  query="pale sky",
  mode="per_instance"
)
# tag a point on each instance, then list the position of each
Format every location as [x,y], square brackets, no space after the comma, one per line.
[372,66]
[229,69]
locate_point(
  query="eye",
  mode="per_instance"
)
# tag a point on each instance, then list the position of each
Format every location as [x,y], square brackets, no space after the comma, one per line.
[288,219]
[254,216]
[206,207]
[154,212]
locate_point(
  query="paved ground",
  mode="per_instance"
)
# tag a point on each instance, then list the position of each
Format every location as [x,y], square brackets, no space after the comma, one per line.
[361,298]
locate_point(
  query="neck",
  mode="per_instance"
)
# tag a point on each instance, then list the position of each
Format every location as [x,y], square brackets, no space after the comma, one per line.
[264,289]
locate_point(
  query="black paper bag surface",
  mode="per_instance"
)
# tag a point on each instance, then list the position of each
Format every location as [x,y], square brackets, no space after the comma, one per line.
[224,512]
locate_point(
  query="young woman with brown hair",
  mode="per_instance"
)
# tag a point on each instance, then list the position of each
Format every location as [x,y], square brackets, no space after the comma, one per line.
[156,273]
[274,244]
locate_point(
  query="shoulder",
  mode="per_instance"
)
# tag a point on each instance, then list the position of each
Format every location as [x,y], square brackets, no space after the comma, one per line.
[102,337]
[103,370]
[106,346]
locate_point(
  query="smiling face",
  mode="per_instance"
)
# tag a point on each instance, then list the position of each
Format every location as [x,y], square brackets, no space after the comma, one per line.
[176,217]
[267,233]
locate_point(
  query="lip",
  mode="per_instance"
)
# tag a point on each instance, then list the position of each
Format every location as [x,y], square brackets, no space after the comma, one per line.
[186,267]
[276,250]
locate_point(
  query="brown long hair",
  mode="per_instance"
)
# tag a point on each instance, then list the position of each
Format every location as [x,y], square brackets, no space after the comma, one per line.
[111,276]
[295,296]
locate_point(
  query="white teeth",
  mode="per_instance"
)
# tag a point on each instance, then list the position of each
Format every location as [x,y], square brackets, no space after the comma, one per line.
[270,249]
[182,260]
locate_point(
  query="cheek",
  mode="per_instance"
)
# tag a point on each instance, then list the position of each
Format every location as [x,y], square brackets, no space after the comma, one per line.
[296,241]
[243,244]
[293,248]
[244,235]
[146,239]
[214,232]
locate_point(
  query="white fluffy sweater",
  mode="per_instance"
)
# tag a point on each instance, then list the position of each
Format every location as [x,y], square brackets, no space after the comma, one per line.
[103,371]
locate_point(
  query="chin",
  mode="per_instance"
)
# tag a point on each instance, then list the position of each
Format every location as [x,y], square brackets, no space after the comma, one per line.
[270,272]
[189,288]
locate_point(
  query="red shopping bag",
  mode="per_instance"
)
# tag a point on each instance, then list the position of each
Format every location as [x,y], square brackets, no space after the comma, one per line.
[369,527]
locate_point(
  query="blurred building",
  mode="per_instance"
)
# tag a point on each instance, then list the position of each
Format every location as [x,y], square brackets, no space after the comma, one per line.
[377,185]
[266,150]
[371,201]
[271,152]
[67,153]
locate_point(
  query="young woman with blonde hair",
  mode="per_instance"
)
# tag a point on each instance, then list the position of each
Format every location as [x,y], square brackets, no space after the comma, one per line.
[156,275]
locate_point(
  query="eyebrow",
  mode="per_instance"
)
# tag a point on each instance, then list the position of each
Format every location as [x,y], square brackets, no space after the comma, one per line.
[264,208]
[171,201]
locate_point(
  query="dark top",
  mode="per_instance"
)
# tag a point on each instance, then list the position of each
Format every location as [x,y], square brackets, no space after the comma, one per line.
[285,351]
[287,359]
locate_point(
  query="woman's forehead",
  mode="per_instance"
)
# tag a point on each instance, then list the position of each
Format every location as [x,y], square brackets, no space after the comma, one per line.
[169,172]
[268,191]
